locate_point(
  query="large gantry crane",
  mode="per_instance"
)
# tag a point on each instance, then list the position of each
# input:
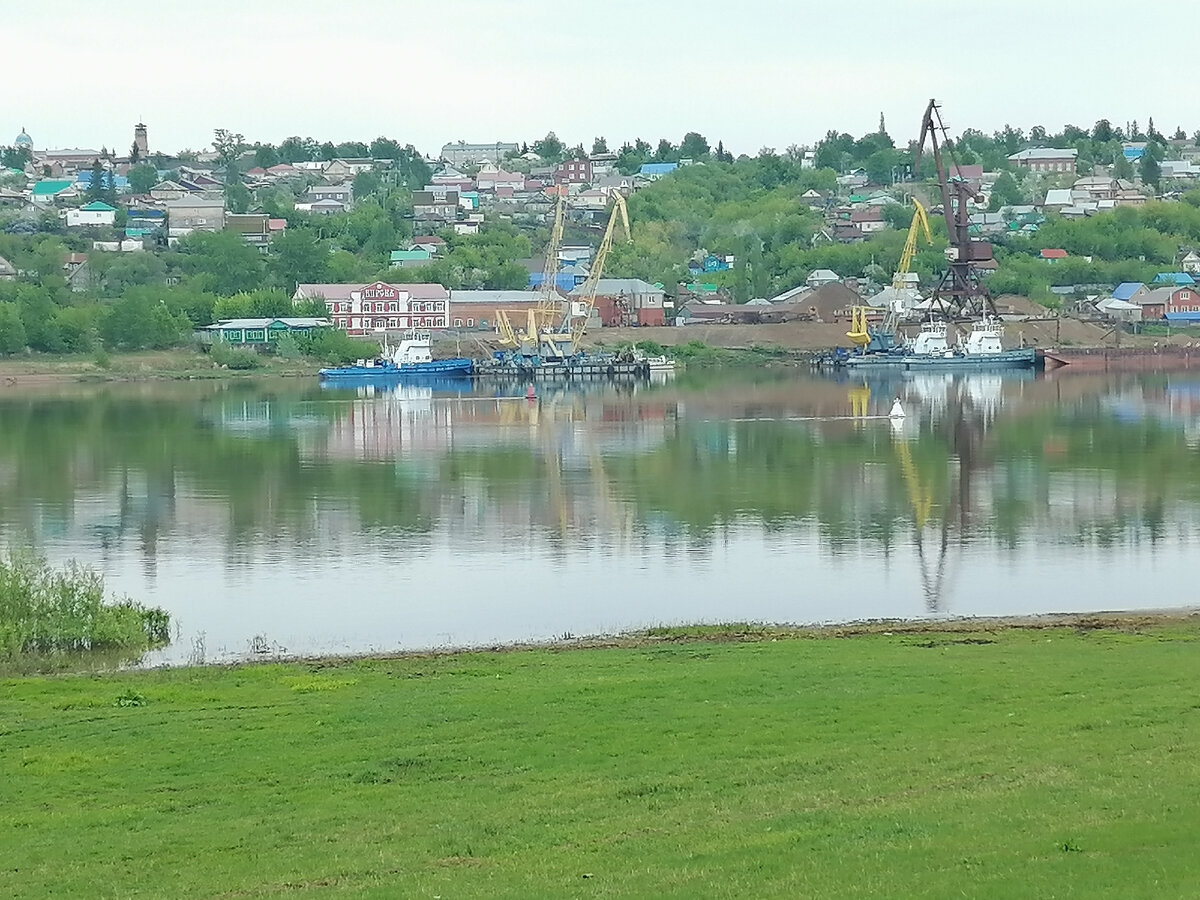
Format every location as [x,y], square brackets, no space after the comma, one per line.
[960,293]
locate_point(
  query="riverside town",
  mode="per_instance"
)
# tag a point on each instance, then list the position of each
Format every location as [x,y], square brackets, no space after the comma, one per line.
[713,474]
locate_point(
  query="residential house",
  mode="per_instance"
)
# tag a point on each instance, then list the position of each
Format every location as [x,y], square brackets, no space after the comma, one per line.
[340,193]
[1129,291]
[410,258]
[45,193]
[869,219]
[345,169]
[480,309]
[428,207]
[451,177]
[434,244]
[117,183]
[168,190]
[1182,304]
[1180,279]
[125,245]
[323,207]
[820,277]
[8,271]
[77,272]
[360,309]
[464,154]
[189,214]
[490,178]
[1045,159]
[95,213]
[813,199]
[283,170]
[615,183]
[142,223]
[255,228]
[655,171]
[258,332]
[1154,302]
[1119,310]
[1051,254]
[466,228]
[574,171]
[1133,150]
[1179,168]
[603,165]
[1191,263]
[627,301]
[1097,187]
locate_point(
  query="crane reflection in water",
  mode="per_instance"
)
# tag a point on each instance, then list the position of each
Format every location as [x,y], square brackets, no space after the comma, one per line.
[958,410]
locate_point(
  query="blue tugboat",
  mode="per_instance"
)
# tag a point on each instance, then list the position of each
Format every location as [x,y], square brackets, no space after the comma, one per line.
[412,359]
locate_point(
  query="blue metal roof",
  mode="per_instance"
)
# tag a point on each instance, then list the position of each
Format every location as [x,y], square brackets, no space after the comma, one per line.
[1184,317]
[1126,289]
[1180,278]
[564,281]
[657,168]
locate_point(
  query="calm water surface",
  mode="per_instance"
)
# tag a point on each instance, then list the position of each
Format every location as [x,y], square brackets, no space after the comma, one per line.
[278,517]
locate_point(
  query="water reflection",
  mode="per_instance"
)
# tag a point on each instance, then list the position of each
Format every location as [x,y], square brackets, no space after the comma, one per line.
[284,515]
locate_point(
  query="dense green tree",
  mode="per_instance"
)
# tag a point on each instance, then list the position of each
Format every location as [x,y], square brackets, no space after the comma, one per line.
[12,329]
[1102,131]
[142,177]
[265,156]
[599,145]
[140,321]
[693,146]
[1005,192]
[221,262]
[549,148]
[296,149]
[366,184]
[1122,168]
[228,146]
[666,151]
[238,197]
[384,148]
[297,257]
[352,150]
[1149,168]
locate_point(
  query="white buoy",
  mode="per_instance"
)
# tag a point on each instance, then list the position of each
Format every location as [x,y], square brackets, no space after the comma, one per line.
[897,410]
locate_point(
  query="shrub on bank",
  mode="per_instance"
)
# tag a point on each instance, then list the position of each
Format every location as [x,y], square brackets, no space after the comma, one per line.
[46,611]
[235,357]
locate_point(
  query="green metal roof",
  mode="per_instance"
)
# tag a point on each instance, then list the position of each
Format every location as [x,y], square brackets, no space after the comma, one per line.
[97,206]
[50,188]
[402,255]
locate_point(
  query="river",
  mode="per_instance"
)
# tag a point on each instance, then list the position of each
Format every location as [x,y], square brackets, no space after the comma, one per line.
[275,517]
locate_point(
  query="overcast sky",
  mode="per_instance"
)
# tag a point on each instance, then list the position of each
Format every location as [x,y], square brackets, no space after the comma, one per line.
[752,73]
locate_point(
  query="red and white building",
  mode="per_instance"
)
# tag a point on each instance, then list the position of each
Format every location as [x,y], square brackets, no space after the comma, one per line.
[360,309]
[574,171]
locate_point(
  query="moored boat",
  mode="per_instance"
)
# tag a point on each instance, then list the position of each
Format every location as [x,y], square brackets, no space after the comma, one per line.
[411,359]
[982,349]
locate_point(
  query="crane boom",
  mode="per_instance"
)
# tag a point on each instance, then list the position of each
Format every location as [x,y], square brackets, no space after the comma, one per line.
[920,222]
[960,289]
[549,302]
[593,280]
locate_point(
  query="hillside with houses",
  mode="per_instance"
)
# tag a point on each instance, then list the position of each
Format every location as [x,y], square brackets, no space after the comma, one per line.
[97,245]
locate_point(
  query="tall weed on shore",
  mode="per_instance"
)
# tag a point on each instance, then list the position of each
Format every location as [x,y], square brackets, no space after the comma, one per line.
[46,611]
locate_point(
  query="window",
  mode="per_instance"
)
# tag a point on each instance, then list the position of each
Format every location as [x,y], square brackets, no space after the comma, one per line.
[1185,295]
[470,323]
[394,322]
[458,323]
[392,307]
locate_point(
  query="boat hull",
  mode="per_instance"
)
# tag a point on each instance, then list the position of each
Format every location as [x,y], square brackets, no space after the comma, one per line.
[1023,358]
[438,368]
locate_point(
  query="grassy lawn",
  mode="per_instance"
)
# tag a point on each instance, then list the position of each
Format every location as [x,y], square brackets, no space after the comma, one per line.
[1008,763]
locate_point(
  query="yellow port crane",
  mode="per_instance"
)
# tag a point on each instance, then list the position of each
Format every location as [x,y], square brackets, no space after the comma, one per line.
[576,321]
[859,333]
[549,304]
[920,222]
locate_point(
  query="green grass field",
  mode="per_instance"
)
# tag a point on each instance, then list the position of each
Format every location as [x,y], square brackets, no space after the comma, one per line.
[1009,763]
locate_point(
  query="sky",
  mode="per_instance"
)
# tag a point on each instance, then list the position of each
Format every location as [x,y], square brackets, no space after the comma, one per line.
[753,73]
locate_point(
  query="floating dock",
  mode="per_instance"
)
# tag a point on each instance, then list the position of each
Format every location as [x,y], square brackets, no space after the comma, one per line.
[584,371]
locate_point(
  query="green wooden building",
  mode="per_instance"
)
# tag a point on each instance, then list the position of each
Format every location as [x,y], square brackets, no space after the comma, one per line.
[259,332]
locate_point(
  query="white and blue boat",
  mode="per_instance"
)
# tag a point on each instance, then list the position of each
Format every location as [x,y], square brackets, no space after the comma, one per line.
[411,359]
[982,349]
